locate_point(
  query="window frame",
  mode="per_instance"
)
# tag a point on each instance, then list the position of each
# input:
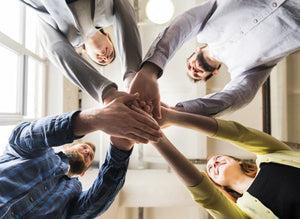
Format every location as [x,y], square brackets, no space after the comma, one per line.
[23,59]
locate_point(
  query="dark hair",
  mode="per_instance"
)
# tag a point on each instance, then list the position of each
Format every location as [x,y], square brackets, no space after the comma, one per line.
[248,167]
[205,66]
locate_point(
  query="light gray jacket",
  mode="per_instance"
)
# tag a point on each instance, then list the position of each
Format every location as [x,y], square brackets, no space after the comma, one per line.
[60,31]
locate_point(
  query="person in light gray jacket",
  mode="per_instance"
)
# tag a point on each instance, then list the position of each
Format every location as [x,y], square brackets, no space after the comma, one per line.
[73,23]
[249,37]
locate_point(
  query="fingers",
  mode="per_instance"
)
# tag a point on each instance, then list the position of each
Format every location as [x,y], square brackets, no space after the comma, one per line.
[156,109]
[130,98]
[138,110]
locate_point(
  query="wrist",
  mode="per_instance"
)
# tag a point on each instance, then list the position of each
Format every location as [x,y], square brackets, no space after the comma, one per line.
[109,95]
[151,70]
[172,117]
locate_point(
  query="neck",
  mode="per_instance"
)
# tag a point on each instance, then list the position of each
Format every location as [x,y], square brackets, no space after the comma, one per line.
[241,183]
[209,57]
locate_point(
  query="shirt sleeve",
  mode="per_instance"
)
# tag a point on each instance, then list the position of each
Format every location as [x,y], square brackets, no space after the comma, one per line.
[182,28]
[211,198]
[110,180]
[250,139]
[31,139]
[128,39]
[236,94]
[73,66]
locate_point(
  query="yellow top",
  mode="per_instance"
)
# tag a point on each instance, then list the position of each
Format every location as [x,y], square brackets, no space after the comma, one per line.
[267,149]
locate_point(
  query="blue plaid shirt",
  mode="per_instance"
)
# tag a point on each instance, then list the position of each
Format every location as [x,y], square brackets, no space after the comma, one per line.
[34,181]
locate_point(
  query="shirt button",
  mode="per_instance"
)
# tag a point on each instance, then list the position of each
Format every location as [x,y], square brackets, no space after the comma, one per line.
[242,32]
[45,188]
[31,199]
[274,4]
[255,21]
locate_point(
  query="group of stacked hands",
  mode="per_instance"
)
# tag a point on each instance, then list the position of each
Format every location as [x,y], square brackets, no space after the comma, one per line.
[248,37]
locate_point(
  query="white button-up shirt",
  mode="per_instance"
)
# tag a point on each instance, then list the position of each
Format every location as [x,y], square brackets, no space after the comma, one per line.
[250,37]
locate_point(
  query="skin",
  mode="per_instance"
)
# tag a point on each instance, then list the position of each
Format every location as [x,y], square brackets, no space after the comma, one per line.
[99,48]
[145,81]
[227,172]
[118,120]
[195,68]
[224,170]
[86,154]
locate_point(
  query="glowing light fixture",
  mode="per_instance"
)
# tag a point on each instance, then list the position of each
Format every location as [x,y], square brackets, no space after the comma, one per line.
[160,11]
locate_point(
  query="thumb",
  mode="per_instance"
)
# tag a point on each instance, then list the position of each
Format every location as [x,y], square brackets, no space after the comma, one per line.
[157,109]
[128,98]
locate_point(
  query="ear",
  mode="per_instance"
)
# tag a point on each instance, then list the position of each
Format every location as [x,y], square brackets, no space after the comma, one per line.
[215,72]
[82,174]
[198,49]
[83,50]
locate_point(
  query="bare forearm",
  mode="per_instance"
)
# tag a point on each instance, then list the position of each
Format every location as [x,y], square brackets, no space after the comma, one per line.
[187,172]
[84,122]
[203,124]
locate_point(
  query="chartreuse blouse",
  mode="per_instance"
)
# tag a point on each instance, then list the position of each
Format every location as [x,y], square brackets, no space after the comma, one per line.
[267,149]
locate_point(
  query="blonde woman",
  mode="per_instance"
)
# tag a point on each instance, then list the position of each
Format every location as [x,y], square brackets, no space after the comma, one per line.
[272,190]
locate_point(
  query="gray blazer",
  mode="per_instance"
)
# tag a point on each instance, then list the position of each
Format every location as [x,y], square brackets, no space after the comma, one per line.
[59,32]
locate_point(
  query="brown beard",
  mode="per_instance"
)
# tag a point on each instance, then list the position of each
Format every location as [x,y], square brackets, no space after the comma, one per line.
[77,164]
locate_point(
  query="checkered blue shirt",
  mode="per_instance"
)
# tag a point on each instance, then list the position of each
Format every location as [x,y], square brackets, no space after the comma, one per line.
[34,181]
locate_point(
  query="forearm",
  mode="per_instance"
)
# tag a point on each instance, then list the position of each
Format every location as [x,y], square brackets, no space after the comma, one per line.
[128,39]
[199,123]
[110,180]
[30,138]
[236,94]
[73,66]
[86,122]
[182,28]
[187,172]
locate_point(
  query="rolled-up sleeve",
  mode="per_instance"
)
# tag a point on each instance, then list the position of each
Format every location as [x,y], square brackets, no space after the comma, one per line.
[30,139]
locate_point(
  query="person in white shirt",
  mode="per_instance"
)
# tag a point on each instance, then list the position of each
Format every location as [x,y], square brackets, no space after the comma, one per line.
[249,37]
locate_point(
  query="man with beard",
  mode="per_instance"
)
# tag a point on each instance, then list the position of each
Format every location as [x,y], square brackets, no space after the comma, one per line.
[249,37]
[36,182]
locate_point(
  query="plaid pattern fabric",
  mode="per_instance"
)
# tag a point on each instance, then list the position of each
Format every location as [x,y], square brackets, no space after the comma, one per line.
[34,181]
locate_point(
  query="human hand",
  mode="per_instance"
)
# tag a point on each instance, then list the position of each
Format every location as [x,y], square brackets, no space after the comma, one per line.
[118,120]
[113,94]
[145,83]
[164,122]
[122,143]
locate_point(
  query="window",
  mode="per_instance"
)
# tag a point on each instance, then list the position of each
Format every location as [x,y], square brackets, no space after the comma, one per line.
[22,76]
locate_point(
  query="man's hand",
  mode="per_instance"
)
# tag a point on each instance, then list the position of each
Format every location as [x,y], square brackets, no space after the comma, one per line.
[112,94]
[118,120]
[166,113]
[122,143]
[145,83]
